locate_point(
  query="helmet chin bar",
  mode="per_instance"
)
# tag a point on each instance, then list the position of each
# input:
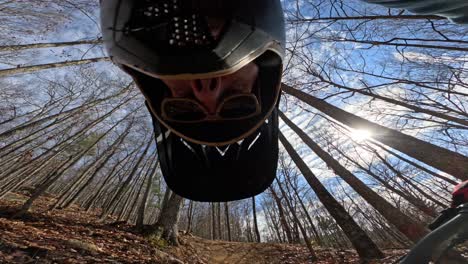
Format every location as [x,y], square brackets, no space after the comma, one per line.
[222,150]
[219,173]
[153,39]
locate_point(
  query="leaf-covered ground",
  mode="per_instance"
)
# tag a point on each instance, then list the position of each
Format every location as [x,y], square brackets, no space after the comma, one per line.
[73,236]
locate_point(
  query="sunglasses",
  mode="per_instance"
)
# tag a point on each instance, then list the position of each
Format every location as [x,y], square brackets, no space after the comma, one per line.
[186,110]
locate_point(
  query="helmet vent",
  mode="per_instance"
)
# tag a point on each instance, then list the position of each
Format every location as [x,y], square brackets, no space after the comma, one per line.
[169,24]
[188,31]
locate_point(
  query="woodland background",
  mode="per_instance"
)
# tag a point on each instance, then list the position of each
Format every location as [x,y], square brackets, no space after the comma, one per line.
[373,119]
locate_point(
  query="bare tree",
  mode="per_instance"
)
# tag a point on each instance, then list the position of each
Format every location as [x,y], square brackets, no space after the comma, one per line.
[443,159]
[166,226]
[365,247]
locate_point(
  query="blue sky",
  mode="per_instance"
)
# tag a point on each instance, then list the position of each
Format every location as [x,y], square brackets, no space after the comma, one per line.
[77,26]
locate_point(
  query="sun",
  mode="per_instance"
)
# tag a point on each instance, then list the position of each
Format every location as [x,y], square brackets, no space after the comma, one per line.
[360,134]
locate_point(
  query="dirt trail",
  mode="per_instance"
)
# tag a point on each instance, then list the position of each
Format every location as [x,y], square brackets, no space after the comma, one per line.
[195,250]
[208,251]
[73,236]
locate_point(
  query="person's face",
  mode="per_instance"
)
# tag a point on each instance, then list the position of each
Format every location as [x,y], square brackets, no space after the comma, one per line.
[211,92]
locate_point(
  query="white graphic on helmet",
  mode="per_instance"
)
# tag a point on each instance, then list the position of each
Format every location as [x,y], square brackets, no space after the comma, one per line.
[255,140]
[219,149]
[160,137]
[188,146]
[222,153]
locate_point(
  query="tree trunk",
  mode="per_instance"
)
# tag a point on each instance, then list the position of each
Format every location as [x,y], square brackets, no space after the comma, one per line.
[405,44]
[40,67]
[304,209]
[72,111]
[64,200]
[440,158]
[97,170]
[413,230]
[87,204]
[122,187]
[228,224]
[418,203]
[166,226]
[132,210]
[72,189]
[282,217]
[365,247]
[298,223]
[400,176]
[275,224]
[218,212]
[110,176]
[414,164]
[49,45]
[213,222]
[142,208]
[51,180]
[26,140]
[189,217]
[24,174]
[124,206]
[416,109]
[254,211]
[370,17]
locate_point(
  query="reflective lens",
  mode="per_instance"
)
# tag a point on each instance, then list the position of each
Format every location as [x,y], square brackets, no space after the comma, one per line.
[239,107]
[182,110]
[189,110]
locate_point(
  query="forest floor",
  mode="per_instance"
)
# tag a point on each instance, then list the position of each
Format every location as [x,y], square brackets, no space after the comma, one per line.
[73,236]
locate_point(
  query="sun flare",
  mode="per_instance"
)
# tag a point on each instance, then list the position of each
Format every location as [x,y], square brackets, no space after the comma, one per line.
[360,134]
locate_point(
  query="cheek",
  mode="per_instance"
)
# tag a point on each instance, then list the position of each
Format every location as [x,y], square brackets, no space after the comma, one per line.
[243,86]
[243,80]
[178,88]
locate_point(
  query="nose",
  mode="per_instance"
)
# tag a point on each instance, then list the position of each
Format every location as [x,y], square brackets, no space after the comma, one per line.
[207,92]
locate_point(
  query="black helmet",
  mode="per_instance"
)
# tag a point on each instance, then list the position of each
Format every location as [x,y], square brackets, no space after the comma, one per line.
[152,39]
